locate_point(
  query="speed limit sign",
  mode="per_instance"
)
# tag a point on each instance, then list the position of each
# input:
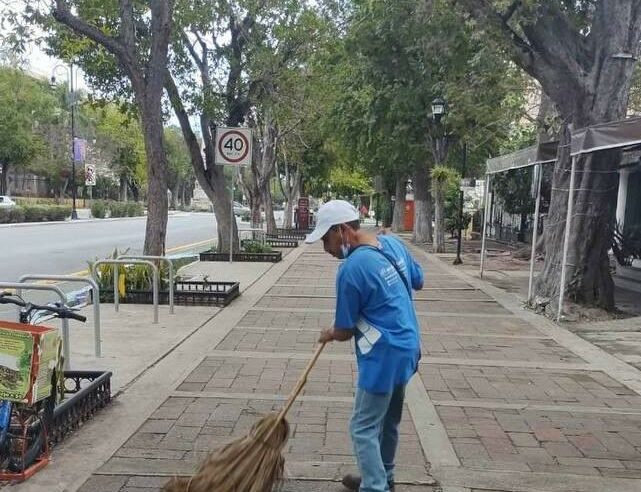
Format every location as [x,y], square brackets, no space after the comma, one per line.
[233,146]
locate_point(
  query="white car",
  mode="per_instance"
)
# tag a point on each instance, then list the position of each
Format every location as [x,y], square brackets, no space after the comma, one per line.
[240,209]
[5,201]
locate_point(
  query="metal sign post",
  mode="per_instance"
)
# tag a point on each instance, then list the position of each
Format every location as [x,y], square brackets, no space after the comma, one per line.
[233,148]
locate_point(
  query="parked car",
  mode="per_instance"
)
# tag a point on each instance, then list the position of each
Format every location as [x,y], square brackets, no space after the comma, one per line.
[240,209]
[5,201]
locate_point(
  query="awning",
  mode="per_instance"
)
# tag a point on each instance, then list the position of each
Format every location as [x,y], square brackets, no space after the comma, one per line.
[542,153]
[612,135]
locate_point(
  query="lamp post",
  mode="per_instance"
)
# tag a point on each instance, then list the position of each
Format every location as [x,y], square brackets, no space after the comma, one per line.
[74,211]
[458,260]
[439,107]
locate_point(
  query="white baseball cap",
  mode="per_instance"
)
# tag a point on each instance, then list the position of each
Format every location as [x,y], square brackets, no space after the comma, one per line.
[330,214]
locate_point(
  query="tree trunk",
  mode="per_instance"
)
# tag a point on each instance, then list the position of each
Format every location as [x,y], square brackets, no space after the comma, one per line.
[588,78]
[157,206]
[269,209]
[123,188]
[174,195]
[422,205]
[439,218]
[146,73]
[588,272]
[399,204]
[4,179]
[291,191]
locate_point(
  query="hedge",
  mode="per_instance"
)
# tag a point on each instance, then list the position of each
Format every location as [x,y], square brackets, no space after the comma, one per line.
[101,209]
[34,213]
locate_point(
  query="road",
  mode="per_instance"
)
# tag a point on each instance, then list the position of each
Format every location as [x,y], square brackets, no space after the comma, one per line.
[65,247]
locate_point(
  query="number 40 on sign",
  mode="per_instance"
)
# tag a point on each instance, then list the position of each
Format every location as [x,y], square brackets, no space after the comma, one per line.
[233,147]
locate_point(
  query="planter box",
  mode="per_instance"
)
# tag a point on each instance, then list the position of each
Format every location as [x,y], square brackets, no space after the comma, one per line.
[273,257]
[276,243]
[282,243]
[291,234]
[186,293]
[86,392]
[28,356]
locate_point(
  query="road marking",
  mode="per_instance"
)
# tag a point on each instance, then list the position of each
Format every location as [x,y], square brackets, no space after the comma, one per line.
[86,272]
[187,246]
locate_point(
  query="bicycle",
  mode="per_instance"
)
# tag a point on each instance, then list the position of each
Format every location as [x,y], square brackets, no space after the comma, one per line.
[24,427]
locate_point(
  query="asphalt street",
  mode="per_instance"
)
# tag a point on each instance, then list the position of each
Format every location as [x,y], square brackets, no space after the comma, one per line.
[65,248]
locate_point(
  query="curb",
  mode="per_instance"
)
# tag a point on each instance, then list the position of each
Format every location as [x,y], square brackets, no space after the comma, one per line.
[81,221]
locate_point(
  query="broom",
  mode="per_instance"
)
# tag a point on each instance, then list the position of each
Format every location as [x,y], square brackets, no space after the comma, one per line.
[253,463]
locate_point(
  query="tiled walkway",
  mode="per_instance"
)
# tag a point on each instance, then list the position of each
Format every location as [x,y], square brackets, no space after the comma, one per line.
[504,401]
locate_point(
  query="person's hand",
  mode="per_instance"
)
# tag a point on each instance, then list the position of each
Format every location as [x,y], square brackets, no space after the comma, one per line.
[326,335]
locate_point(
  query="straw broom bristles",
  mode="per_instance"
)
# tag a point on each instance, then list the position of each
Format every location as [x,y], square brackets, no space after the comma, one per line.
[253,463]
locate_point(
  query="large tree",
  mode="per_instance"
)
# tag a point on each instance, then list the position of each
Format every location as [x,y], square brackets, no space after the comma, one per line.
[26,104]
[583,53]
[399,56]
[122,46]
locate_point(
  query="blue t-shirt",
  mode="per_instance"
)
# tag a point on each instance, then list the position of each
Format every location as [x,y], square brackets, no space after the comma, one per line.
[374,302]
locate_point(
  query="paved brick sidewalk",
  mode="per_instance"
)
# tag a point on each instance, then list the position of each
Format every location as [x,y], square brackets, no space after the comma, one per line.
[504,400]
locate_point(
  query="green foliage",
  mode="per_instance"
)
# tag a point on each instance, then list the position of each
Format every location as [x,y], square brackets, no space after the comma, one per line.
[396,58]
[34,213]
[256,247]
[98,209]
[119,139]
[11,215]
[514,190]
[26,103]
[101,209]
[137,277]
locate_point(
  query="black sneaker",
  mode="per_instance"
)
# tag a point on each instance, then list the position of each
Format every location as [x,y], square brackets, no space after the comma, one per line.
[353,482]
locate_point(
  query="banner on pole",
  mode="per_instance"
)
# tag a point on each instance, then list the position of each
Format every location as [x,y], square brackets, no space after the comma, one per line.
[90,175]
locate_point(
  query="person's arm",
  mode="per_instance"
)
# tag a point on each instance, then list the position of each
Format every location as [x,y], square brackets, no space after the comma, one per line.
[348,307]
[416,274]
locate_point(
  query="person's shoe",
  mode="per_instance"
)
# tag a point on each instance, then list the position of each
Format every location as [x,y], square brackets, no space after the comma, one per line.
[353,482]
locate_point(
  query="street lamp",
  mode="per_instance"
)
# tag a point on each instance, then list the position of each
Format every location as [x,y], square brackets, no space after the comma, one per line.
[439,107]
[458,260]
[69,70]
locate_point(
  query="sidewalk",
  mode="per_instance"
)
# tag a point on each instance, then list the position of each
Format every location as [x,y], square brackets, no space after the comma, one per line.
[504,400]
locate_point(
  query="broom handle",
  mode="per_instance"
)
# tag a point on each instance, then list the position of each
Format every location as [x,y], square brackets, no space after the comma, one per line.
[301,383]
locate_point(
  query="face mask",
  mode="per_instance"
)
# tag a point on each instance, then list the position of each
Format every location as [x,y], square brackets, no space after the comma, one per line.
[344,247]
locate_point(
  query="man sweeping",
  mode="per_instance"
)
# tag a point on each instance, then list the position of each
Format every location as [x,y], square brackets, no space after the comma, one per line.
[373,305]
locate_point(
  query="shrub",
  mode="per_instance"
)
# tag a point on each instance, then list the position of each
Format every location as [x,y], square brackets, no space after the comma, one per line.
[135,209]
[59,212]
[34,213]
[98,209]
[118,209]
[11,215]
[256,247]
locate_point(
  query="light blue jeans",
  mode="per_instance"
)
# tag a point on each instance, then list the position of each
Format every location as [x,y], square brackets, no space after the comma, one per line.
[374,430]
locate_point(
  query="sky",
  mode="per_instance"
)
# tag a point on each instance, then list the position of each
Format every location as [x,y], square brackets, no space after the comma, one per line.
[39,63]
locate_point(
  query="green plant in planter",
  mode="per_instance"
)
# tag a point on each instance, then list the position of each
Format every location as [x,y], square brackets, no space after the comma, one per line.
[105,271]
[257,247]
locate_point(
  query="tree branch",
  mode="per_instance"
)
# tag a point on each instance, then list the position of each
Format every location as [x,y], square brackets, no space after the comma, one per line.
[161,23]
[127,35]
[187,131]
[63,15]
[192,51]
[539,55]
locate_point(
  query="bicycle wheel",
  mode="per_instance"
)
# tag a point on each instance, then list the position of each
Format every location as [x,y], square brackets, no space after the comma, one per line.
[28,434]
